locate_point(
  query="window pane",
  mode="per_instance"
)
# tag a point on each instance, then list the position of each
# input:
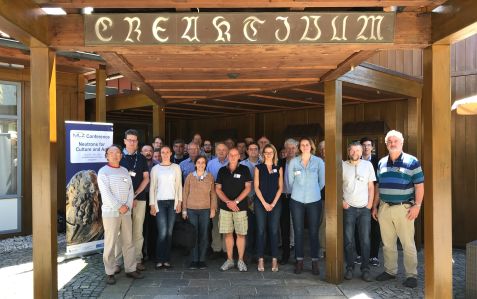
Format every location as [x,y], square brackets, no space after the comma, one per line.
[8,157]
[8,99]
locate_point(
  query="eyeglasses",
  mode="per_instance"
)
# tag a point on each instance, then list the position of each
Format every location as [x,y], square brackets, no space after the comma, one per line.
[131,140]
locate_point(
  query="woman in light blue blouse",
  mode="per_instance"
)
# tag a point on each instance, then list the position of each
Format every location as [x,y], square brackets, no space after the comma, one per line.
[306,176]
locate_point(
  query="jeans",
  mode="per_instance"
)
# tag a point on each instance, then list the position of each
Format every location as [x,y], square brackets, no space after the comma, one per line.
[165,219]
[285,225]
[375,240]
[313,215]
[200,219]
[359,218]
[270,220]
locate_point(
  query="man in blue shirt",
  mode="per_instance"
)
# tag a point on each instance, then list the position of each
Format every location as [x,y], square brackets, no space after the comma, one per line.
[188,165]
[213,167]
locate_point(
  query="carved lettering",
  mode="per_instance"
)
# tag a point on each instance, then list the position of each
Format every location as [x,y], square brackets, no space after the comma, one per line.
[250,25]
[156,29]
[287,29]
[317,27]
[131,22]
[105,23]
[221,33]
[343,29]
[372,35]
[191,21]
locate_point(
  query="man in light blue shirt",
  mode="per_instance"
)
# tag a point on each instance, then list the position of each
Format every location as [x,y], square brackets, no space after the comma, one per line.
[213,167]
[188,165]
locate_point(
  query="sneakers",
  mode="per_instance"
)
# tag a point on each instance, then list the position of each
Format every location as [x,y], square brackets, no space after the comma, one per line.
[374,261]
[348,274]
[110,279]
[358,260]
[229,264]
[194,265]
[242,267]
[385,276]
[410,282]
[135,275]
[202,265]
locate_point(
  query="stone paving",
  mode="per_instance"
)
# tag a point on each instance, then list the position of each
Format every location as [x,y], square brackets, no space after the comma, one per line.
[84,278]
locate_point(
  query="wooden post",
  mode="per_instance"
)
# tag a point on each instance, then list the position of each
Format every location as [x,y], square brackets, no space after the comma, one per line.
[333,181]
[437,172]
[44,168]
[158,121]
[101,94]
[81,100]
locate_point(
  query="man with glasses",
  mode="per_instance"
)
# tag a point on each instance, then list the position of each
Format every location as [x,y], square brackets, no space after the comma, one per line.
[136,165]
[208,150]
[400,196]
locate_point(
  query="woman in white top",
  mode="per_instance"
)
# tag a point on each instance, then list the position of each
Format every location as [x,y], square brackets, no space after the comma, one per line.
[165,199]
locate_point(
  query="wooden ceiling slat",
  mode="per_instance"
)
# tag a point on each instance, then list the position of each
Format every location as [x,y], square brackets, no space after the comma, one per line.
[238,80]
[248,103]
[220,107]
[281,99]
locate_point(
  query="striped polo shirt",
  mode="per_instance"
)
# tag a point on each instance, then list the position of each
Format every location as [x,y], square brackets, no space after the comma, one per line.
[397,179]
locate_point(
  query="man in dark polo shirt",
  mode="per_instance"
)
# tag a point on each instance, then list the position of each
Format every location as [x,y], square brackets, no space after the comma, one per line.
[401,192]
[233,184]
[136,164]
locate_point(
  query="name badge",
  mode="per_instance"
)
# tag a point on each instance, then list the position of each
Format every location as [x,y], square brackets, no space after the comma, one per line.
[201,178]
[132,173]
[125,180]
[297,172]
[274,170]
[237,176]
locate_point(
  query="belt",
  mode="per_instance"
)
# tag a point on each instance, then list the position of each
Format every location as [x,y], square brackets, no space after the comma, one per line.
[400,203]
[287,195]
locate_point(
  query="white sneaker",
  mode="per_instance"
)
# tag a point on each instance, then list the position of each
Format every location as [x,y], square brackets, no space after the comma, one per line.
[242,267]
[229,264]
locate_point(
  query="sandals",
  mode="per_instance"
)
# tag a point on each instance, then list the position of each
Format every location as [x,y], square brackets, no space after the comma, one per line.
[274,265]
[260,266]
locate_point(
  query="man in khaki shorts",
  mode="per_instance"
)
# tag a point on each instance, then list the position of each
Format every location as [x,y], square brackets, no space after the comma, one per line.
[233,184]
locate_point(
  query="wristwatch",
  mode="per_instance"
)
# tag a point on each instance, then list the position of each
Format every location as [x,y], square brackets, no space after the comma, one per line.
[237,202]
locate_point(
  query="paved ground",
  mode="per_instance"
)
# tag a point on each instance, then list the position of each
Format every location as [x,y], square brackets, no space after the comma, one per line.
[84,278]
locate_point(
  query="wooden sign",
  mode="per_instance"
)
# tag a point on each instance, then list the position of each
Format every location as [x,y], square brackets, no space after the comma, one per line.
[239,28]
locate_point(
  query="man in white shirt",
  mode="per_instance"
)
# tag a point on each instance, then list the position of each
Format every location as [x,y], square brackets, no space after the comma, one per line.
[358,195]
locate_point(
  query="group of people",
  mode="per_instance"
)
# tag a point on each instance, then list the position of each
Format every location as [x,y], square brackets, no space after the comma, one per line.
[254,196]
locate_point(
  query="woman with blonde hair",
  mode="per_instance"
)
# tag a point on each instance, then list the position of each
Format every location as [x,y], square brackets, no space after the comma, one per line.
[268,183]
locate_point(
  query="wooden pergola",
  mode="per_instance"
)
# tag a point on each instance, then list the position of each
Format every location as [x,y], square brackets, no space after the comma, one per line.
[177,80]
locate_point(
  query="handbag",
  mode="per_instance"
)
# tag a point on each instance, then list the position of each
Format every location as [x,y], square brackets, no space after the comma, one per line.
[184,234]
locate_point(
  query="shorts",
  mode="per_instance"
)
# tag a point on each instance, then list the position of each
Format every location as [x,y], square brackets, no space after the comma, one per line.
[230,221]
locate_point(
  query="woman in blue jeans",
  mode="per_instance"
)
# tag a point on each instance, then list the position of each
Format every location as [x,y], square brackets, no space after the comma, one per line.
[306,176]
[165,197]
[268,183]
[199,204]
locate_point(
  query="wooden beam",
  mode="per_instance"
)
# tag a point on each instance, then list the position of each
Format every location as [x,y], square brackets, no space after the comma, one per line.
[120,64]
[100,103]
[231,69]
[233,80]
[438,172]
[25,21]
[382,81]
[158,121]
[239,4]
[80,97]
[169,108]
[43,172]
[219,107]
[333,178]
[281,99]
[248,103]
[455,20]
[347,65]
[322,93]
[205,89]
[128,101]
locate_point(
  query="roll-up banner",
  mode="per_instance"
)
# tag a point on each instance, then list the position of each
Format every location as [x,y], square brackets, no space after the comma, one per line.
[85,155]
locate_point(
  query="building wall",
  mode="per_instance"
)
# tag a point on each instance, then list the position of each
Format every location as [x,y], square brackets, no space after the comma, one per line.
[70,106]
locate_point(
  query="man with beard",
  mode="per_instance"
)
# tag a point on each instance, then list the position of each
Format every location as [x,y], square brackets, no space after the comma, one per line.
[208,150]
[358,194]
[400,196]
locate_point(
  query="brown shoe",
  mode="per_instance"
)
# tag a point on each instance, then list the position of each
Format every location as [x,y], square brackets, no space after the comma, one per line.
[117,269]
[110,279]
[298,267]
[135,275]
[315,269]
[140,267]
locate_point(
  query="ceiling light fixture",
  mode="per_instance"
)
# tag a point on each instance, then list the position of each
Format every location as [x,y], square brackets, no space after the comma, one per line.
[466,106]
[87,10]
[54,11]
